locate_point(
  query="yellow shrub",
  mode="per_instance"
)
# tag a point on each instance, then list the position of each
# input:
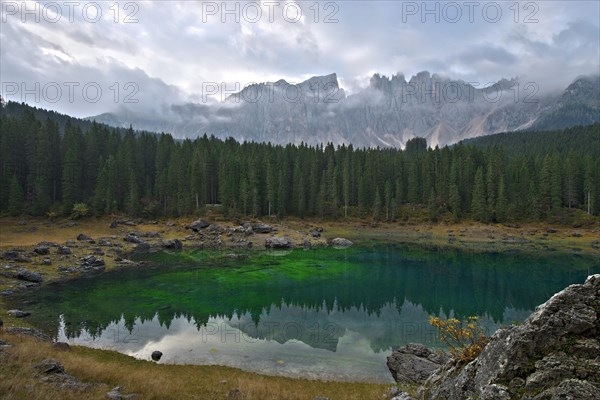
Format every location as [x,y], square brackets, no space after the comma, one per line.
[466,339]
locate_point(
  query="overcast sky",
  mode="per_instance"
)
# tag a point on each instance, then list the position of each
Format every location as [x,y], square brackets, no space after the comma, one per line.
[157,52]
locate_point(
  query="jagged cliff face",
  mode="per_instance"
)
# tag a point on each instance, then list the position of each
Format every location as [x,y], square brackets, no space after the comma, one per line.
[389,112]
[554,354]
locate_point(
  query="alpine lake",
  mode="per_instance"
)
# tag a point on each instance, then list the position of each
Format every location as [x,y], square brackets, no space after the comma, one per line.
[325,313]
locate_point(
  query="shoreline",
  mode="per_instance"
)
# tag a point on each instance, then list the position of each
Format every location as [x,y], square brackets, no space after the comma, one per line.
[112,242]
[107,243]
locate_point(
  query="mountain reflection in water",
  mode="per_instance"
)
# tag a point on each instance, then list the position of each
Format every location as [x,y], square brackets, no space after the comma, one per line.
[327,313]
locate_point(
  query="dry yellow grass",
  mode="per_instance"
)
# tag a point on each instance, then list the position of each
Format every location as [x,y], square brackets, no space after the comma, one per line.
[107,369]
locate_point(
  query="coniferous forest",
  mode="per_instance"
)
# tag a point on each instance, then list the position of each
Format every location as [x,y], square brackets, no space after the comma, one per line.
[55,165]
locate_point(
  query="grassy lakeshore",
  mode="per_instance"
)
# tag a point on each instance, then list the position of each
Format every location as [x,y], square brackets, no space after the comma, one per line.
[107,369]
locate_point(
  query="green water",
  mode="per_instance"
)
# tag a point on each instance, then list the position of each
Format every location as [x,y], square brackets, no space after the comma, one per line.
[324,313]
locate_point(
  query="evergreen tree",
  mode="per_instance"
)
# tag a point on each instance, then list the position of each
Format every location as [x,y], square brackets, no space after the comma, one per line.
[133,200]
[244,195]
[377,206]
[432,207]
[479,202]
[525,176]
[16,197]
[454,201]
[72,168]
[388,201]
[501,201]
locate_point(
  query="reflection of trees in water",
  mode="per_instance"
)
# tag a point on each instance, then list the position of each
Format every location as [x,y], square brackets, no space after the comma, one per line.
[327,282]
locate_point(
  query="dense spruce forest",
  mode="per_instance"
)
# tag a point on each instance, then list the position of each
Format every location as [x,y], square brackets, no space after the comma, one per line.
[66,168]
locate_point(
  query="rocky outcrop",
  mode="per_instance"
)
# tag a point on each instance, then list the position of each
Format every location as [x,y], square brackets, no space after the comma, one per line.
[414,363]
[554,354]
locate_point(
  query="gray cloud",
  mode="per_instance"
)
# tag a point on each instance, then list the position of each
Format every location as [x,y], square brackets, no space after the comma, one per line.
[174,49]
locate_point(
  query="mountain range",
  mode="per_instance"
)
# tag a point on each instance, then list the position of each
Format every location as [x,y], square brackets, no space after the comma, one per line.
[387,113]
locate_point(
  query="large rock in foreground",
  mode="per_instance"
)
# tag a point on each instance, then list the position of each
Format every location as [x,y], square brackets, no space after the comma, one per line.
[554,354]
[414,363]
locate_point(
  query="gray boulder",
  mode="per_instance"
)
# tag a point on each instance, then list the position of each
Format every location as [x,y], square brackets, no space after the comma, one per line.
[554,354]
[259,227]
[197,225]
[18,313]
[92,264]
[394,393]
[215,228]
[83,237]
[42,250]
[116,394]
[173,244]
[50,366]
[29,276]
[403,396]
[341,243]
[277,242]
[15,255]
[414,363]
[143,246]
[64,250]
[131,237]
[62,346]
[247,228]
[148,234]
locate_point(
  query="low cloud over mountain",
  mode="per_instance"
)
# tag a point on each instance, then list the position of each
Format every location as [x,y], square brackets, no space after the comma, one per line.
[388,112]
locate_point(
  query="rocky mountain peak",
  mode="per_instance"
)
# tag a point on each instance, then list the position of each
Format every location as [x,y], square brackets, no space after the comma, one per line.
[330,79]
[388,112]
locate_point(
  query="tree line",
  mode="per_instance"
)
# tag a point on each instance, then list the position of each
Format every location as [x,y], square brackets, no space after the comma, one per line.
[47,169]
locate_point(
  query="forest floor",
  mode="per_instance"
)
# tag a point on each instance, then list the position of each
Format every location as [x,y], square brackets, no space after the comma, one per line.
[106,369]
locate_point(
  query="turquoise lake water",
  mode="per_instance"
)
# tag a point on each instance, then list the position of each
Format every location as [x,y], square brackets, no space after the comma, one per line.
[324,313]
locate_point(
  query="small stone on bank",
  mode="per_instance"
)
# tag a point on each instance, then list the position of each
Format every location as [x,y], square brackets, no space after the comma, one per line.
[50,366]
[156,355]
[61,346]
